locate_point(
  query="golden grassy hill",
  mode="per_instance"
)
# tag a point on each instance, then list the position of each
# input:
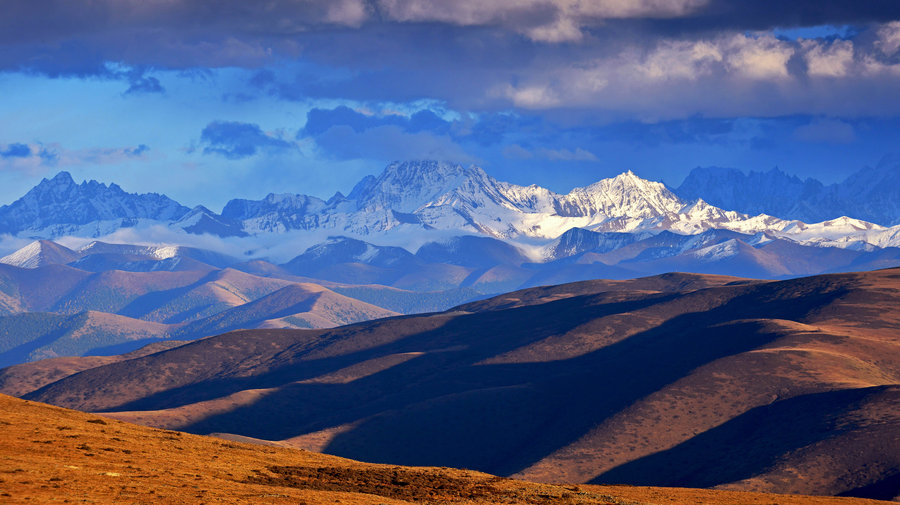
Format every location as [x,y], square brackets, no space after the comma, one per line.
[54,455]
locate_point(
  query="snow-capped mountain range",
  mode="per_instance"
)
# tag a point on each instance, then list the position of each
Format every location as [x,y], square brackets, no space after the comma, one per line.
[420,196]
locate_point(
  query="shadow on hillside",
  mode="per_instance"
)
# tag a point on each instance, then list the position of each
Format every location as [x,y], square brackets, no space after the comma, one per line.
[475,336]
[22,352]
[154,300]
[756,440]
[442,409]
[887,489]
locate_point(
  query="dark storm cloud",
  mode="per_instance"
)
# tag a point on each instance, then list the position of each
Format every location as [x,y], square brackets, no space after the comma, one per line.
[318,121]
[648,59]
[767,14]
[235,140]
[345,133]
[77,37]
[485,130]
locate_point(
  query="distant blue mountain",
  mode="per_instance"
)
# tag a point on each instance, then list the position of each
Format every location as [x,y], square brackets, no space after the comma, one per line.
[871,194]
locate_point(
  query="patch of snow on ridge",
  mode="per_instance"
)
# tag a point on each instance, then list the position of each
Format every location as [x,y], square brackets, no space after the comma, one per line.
[718,252]
[26,257]
[164,252]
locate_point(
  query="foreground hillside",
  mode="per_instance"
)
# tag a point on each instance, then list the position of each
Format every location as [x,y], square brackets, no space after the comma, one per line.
[676,380]
[50,455]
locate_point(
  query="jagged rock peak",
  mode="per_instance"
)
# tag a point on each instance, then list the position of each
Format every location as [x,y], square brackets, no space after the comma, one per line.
[404,186]
[58,206]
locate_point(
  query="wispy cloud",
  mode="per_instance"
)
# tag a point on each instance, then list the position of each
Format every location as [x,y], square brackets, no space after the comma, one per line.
[37,157]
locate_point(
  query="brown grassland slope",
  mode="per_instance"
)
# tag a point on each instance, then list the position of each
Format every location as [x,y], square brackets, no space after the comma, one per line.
[18,380]
[54,455]
[676,380]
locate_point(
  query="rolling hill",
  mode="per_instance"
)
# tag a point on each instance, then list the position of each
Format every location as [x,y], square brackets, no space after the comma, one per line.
[31,336]
[675,380]
[23,378]
[51,454]
[52,310]
[38,335]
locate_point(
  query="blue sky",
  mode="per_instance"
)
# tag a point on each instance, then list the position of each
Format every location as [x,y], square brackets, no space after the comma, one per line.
[207,101]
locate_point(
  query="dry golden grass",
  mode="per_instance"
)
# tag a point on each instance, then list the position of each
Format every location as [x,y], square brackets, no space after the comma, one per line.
[54,455]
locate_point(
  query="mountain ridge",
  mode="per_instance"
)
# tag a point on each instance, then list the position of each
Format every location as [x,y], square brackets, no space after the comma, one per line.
[868,194]
[415,197]
[59,206]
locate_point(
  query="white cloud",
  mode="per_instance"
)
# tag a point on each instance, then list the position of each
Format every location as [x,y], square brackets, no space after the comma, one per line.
[41,156]
[681,60]
[889,38]
[347,12]
[763,57]
[832,60]
[578,154]
[563,29]
[533,96]
[517,152]
[275,247]
[733,74]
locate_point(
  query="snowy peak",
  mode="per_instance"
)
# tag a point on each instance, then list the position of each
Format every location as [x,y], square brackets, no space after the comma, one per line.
[625,195]
[422,195]
[407,186]
[58,183]
[102,256]
[274,213]
[58,206]
[413,197]
[40,253]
